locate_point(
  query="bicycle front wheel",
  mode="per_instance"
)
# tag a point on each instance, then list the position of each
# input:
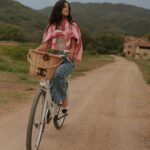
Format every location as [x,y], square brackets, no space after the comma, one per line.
[36,122]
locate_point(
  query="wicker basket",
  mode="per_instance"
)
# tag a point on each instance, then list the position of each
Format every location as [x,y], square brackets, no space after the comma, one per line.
[42,65]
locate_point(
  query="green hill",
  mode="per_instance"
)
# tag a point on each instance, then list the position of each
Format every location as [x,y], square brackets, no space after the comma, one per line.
[21,23]
[108,17]
[15,17]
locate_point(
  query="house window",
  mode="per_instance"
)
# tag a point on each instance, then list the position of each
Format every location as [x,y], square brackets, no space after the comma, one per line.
[144,54]
[128,52]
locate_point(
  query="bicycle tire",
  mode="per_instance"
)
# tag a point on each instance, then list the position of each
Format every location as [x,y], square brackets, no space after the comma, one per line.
[31,124]
[59,118]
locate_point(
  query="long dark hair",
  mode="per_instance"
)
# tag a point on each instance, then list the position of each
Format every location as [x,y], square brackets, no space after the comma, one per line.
[56,15]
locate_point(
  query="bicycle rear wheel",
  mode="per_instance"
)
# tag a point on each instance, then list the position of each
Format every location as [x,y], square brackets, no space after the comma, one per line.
[36,122]
[59,118]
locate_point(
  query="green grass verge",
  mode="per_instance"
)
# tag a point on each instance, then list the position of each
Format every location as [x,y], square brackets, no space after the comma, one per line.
[144,66]
[91,62]
[13,59]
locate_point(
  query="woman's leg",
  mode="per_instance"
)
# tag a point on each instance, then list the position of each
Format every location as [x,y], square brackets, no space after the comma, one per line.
[59,85]
[65,103]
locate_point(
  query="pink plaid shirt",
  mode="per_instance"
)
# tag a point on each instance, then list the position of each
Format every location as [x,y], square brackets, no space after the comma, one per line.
[68,31]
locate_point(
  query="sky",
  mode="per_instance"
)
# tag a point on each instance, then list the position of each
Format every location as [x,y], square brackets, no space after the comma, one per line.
[39,4]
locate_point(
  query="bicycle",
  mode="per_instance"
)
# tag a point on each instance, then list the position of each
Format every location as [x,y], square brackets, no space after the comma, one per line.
[43,111]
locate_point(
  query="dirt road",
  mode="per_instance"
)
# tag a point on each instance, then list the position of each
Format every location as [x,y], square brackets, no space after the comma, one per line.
[109,110]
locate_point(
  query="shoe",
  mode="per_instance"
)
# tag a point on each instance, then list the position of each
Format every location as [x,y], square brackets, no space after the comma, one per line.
[64,110]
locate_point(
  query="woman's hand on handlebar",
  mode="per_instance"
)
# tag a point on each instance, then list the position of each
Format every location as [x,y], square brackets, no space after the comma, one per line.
[43,47]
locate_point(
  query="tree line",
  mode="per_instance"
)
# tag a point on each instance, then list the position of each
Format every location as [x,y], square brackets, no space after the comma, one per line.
[10,32]
[103,43]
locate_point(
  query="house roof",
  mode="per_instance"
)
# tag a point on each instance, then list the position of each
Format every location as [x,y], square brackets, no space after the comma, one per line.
[137,41]
[145,47]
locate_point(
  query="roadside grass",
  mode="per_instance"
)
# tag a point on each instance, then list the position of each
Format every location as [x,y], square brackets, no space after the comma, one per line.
[13,59]
[91,62]
[144,66]
[14,69]
[6,97]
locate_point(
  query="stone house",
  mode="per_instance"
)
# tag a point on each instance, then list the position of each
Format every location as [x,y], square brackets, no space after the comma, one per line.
[137,47]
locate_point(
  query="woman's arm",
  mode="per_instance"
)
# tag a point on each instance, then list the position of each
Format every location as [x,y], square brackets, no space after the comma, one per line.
[73,48]
[43,47]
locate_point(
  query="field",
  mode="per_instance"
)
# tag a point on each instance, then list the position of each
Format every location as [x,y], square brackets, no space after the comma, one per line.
[16,84]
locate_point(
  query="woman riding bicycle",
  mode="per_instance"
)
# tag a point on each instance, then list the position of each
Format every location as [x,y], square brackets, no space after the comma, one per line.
[61,34]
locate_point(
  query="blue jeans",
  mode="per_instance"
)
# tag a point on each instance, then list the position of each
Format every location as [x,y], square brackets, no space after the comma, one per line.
[58,85]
